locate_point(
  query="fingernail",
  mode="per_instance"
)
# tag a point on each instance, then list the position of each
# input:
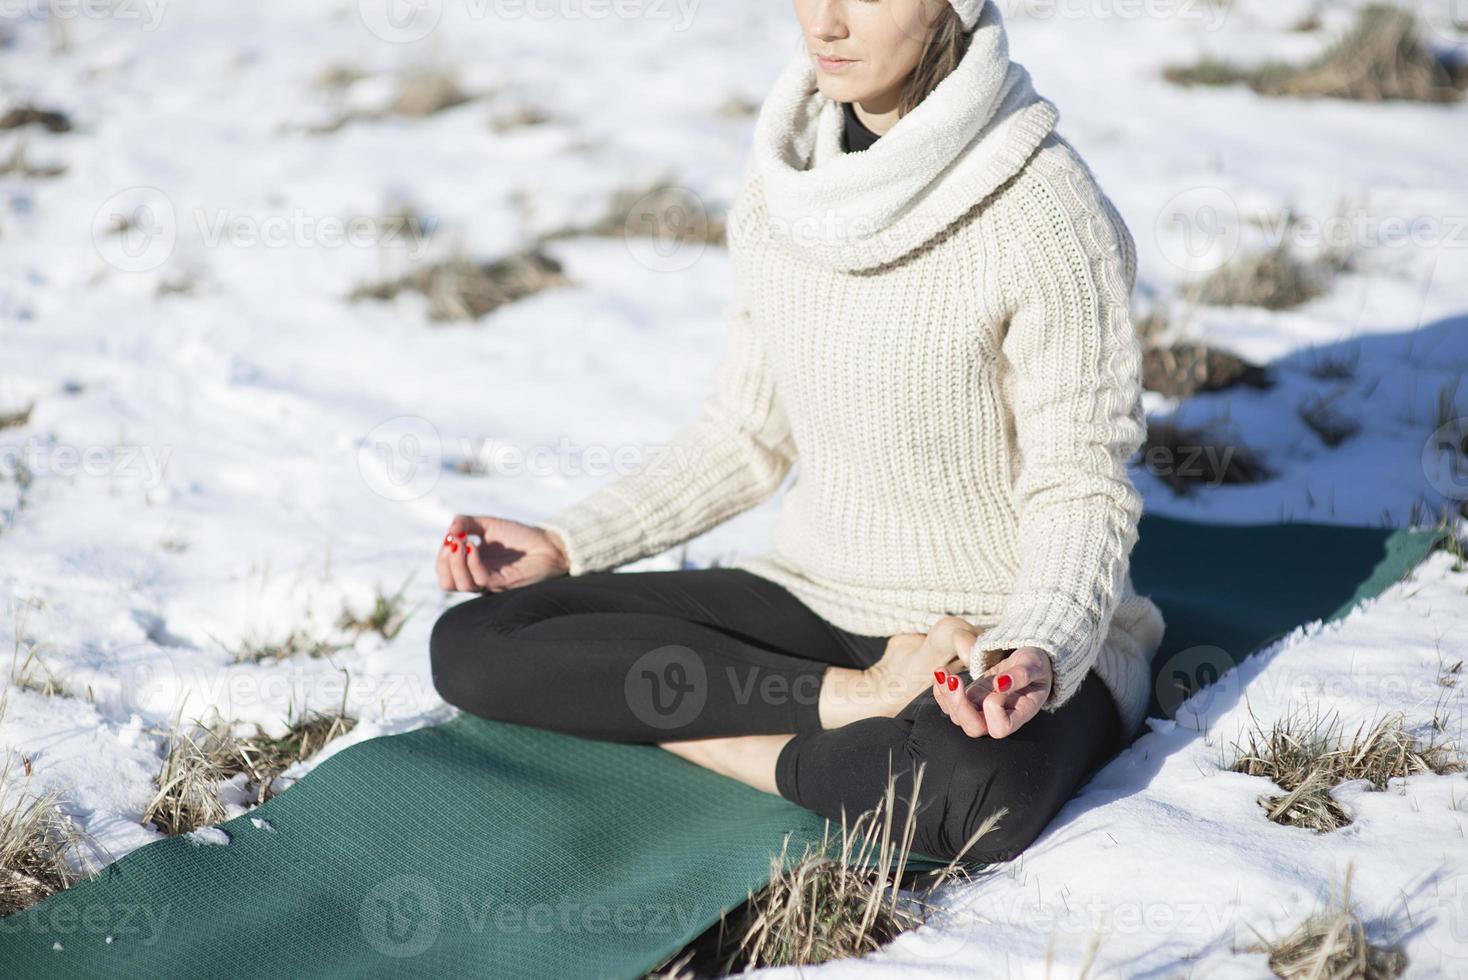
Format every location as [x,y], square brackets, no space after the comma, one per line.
[463,534]
[953,683]
[1003,682]
[454,547]
[942,677]
[468,548]
[447,540]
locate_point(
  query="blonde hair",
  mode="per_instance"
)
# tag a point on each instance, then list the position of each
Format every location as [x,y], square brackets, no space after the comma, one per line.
[944,50]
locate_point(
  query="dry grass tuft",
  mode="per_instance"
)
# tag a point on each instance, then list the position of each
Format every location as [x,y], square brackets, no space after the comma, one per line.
[1320,414]
[203,755]
[1189,457]
[337,77]
[36,836]
[460,289]
[424,91]
[50,120]
[518,117]
[1381,58]
[16,418]
[263,758]
[387,618]
[18,164]
[823,907]
[673,214]
[1184,369]
[1307,759]
[1332,943]
[187,798]
[1275,279]
[28,672]
[255,650]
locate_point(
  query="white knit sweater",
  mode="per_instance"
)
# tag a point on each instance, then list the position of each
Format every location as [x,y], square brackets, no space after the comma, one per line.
[937,330]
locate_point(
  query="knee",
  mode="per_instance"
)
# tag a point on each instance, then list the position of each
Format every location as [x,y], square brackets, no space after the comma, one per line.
[458,647]
[987,805]
[446,649]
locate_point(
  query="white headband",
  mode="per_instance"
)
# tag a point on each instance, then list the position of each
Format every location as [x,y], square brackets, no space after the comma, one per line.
[968,11]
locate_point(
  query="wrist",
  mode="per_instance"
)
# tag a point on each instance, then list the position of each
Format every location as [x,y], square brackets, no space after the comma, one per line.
[559,545]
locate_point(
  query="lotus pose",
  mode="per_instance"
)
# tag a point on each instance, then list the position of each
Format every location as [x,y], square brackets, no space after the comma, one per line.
[931,319]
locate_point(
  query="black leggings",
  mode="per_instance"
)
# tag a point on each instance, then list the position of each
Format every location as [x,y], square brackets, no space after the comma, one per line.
[660,656]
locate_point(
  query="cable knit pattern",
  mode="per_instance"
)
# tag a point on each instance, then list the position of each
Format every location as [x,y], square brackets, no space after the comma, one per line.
[949,367]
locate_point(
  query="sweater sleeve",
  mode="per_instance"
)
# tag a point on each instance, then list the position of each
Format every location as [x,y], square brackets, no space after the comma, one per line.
[1075,387]
[732,456]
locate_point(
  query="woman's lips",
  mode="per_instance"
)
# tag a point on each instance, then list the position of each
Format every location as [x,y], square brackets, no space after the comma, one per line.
[834,64]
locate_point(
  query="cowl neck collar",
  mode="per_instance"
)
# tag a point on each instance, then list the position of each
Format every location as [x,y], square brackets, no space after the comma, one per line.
[861,209]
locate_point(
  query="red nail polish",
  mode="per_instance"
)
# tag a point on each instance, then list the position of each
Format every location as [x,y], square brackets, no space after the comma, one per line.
[447,540]
[942,677]
[454,547]
[468,548]
[953,683]
[463,534]
[1002,682]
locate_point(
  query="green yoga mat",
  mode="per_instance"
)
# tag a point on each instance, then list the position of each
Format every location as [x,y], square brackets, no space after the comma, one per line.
[479,849]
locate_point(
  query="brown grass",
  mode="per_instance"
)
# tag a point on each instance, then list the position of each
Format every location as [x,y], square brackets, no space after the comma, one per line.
[461,289]
[425,91]
[1189,457]
[263,758]
[1182,370]
[1380,59]
[50,120]
[1274,279]
[297,642]
[18,164]
[17,417]
[661,210]
[203,755]
[36,836]
[1307,758]
[823,907]
[187,798]
[1331,943]
[1328,424]
[387,617]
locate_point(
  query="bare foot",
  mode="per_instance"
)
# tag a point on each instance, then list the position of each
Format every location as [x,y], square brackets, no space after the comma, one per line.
[904,672]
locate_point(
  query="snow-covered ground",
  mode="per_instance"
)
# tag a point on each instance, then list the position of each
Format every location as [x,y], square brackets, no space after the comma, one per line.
[223,449]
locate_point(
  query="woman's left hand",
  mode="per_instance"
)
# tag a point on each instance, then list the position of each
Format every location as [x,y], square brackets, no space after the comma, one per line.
[983,708]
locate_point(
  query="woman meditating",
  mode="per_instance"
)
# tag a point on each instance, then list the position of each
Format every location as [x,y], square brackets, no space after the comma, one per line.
[931,318]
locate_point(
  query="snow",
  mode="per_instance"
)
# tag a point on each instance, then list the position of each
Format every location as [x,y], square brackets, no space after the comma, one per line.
[243,459]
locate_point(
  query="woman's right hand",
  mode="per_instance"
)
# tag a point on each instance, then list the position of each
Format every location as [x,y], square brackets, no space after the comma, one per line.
[508,555]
